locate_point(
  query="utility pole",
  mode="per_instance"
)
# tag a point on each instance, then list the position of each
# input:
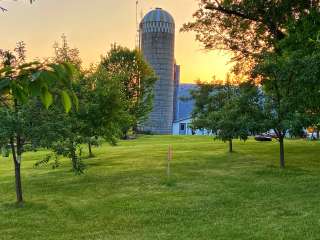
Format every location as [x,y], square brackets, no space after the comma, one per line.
[137,27]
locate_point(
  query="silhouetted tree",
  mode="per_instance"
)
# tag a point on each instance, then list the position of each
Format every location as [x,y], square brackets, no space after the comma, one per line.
[246,27]
[137,79]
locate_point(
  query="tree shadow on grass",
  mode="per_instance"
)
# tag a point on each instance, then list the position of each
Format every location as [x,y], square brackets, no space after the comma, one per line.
[24,206]
[275,171]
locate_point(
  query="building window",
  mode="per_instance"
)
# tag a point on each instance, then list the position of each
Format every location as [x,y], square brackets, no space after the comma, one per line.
[182,126]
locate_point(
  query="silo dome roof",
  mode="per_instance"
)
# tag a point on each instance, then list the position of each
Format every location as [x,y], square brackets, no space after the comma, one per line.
[157,20]
[158,15]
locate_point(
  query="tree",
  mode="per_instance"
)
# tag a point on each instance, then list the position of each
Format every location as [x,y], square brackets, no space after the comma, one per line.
[279,100]
[291,80]
[137,79]
[99,115]
[100,100]
[71,137]
[271,43]
[102,110]
[301,51]
[246,27]
[228,111]
[64,53]
[21,82]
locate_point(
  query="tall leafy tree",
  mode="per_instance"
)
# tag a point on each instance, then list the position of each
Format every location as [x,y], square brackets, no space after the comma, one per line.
[100,100]
[228,111]
[300,49]
[137,79]
[246,27]
[280,101]
[102,110]
[21,82]
[99,115]
[291,80]
[271,43]
[71,137]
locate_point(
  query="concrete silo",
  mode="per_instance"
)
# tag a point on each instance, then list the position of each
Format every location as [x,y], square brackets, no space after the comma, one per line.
[157,39]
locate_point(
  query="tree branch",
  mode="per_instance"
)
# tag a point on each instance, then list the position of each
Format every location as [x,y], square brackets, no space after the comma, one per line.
[278,34]
[211,6]
[3,9]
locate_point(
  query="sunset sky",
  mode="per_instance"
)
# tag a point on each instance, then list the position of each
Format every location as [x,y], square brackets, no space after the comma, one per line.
[93,25]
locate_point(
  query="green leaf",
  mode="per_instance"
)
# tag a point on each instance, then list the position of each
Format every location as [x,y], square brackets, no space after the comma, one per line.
[19,93]
[60,73]
[4,84]
[48,77]
[46,98]
[75,100]
[70,69]
[66,101]
[35,87]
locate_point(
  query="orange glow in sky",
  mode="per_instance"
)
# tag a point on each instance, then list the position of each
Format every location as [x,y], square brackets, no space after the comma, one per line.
[93,25]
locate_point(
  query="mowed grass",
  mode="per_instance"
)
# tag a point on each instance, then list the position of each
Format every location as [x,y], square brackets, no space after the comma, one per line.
[212,194]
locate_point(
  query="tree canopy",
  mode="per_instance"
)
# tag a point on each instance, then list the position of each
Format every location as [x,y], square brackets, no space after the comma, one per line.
[137,79]
[274,45]
[228,111]
[246,27]
[21,83]
[290,79]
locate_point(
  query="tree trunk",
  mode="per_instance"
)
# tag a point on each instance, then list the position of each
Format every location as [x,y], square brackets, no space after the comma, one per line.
[282,162]
[135,129]
[90,149]
[18,182]
[125,135]
[230,146]
[73,156]
[17,170]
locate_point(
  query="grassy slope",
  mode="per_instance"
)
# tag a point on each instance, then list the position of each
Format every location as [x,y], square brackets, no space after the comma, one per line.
[215,195]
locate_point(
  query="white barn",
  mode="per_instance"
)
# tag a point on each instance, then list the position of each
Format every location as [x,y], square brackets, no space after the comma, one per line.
[183,127]
[183,106]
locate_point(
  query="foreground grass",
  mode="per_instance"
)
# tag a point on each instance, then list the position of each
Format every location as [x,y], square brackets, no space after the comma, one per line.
[212,194]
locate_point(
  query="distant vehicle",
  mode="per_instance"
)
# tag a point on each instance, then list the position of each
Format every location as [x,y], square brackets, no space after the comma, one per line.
[263,138]
[312,136]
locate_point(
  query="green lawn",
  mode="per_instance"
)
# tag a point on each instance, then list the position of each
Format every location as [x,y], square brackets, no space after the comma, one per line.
[212,194]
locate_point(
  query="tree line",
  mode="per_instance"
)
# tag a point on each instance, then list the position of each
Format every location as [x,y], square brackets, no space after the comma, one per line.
[275,46]
[58,105]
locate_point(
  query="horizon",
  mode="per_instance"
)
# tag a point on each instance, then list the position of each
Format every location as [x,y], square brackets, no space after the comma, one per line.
[102,24]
